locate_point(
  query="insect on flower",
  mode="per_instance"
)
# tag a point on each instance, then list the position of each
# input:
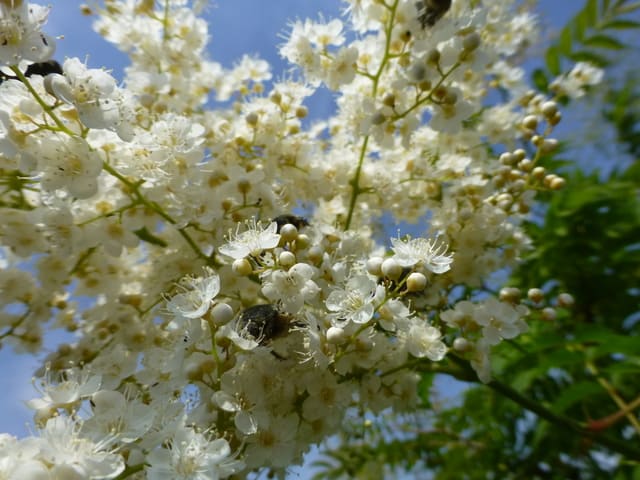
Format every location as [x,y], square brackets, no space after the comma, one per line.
[430,11]
[37,68]
[264,323]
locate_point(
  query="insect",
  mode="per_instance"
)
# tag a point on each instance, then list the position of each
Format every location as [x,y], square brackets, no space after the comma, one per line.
[264,323]
[38,68]
[294,220]
[430,11]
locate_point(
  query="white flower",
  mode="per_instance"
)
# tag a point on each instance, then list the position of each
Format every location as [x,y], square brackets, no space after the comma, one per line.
[429,253]
[342,69]
[197,297]
[355,302]
[20,35]
[114,414]
[500,320]
[275,441]
[93,92]
[192,456]
[73,386]
[70,164]
[424,340]
[72,456]
[252,241]
[575,83]
[292,287]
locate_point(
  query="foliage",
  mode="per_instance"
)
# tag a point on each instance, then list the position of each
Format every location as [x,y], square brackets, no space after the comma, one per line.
[564,401]
[591,36]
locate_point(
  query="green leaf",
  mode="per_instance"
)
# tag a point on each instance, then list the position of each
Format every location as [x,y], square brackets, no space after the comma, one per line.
[624,9]
[564,42]
[540,80]
[604,41]
[552,59]
[575,393]
[620,24]
[591,12]
[591,57]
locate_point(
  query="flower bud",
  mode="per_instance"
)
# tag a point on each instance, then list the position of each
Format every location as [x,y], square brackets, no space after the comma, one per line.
[416,282]
[221,313]
[535,295]
[287,259]
[391,269]
[242,267]
[549,314]
[335,335]
[565,300]
[461,344]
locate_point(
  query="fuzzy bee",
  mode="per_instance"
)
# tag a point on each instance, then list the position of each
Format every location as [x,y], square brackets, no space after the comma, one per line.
[264,323]
[430,11]
[38,68]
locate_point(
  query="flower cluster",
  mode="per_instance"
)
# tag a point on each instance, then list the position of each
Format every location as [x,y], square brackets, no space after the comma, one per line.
[226,333]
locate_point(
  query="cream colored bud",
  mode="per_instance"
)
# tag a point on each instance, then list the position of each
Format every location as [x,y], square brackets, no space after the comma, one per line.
[391,269]
[221,313]
[289,232]
[335,335]
[535,295]
[461,344]
[315,254]
[507,158]
[378,118]
[538,173]
[252,119]
[374,266]
[302,241]
[433,56]
[549,145]
[416,282]
[242,267]
[525,165]
[549,314]
[287,259]
[537,140]
[565,300]
[275,97]
[471,42]
[519,154]
[510,294]
[557,183]
[530,122]
[549,109]
[301,112]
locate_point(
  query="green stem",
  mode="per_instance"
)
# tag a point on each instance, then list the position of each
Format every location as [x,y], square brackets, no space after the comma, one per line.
[625,448]
[355,181]
[42,103]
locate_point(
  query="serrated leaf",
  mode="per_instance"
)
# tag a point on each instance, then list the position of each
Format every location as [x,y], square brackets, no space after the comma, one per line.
[604,41]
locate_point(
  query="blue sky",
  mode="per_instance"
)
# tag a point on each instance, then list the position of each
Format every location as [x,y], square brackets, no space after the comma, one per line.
[236,27]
